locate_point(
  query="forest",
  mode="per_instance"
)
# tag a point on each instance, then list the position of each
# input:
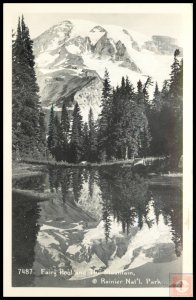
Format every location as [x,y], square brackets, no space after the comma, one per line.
[130,124]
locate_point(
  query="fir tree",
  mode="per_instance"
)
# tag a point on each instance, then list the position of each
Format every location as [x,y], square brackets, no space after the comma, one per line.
[105,119]
[140,95]
[42,132]
[65,119]
[59,139]
[92,138]
[52,134]
[17,90]
[130,126]
[148,83]
[156,101]
[76,136]
[166,122]
[175,86]
[85,142]
[25,98]
[175,95]
[65,127]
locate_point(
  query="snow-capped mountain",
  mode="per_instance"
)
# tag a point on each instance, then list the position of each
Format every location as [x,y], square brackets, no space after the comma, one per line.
[71,58]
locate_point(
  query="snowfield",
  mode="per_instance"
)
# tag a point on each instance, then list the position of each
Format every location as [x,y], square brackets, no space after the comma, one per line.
[59,49]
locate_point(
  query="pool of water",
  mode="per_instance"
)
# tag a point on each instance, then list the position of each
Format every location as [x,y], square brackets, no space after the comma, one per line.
[102,227]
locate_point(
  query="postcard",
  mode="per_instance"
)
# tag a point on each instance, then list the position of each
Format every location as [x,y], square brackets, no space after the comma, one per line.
[98,149]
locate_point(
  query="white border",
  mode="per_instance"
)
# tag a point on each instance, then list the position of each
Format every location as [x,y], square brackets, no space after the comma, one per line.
[103,8]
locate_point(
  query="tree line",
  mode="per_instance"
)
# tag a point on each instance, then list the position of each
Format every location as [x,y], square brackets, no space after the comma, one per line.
[130,123]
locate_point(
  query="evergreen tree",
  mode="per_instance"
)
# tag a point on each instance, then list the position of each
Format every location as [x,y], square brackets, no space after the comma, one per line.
[175,95]
[25,99]
[85,142]
[166,119]
[105,119]
[145,92]
[65,127]
[175,86]
[52,133]
[76,136]
[65,119]
[59,145]
[17,102]
[42,132]
[130,125]
[140,95]
[156,101]
[92,138]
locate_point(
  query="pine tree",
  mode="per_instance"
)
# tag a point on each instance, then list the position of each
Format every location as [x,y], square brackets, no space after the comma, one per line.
[65,126]
[25,98]
[140,95]
[76,136]
[59,147]
[148,83]
[129,120]
[156,101]
[105,118]
[16,90]
[92,138]
[176,105]
[85,142]
[175,89]
[65,119]
[42,133]
[52,134]
[166,122]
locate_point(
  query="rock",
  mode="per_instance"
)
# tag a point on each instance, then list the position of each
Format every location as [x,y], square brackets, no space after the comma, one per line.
[104,47]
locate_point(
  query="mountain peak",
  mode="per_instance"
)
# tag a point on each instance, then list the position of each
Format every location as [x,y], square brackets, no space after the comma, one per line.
[97,28]
[71,58]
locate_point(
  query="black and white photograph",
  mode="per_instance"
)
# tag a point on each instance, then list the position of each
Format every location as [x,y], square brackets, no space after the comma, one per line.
[98,148]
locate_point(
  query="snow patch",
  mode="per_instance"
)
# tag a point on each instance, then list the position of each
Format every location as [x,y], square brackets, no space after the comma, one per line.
[44,59]
[73,49]
[46,70]
[98,233]
[45,239]
[63,61]
[73,249]
[49,227]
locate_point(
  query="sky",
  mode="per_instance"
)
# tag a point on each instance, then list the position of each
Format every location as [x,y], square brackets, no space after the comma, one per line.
[149,24]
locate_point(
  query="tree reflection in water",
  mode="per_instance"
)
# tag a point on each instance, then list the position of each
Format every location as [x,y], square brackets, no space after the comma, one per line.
[125,198]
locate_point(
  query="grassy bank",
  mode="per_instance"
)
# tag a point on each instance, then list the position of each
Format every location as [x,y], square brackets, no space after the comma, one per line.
[128,162]
[66,164]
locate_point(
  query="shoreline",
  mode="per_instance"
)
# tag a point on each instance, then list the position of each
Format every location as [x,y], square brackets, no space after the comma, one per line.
[35,168]
[127,162]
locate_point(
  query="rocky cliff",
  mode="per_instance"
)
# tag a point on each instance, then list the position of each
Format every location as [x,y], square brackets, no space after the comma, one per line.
[71,58]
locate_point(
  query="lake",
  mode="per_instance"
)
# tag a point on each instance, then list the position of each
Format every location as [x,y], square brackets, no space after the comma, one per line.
[100,227]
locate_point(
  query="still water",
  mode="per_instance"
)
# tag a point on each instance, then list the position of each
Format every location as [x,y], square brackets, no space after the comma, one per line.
[100,227]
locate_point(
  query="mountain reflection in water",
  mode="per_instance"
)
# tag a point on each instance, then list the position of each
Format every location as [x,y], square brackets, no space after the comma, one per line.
[99,220]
